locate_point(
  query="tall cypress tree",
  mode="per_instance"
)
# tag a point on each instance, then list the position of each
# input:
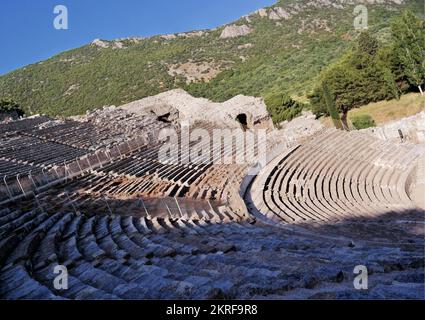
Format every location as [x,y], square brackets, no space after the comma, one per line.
[331,107]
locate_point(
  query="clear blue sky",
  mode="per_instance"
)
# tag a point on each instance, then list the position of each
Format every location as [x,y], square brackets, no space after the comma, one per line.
[27,34]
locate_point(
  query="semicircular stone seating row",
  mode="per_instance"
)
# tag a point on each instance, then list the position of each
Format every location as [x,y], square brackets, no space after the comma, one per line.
[337,175]
[108,255]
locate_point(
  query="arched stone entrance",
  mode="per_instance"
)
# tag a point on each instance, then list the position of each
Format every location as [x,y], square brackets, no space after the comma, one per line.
[243,120]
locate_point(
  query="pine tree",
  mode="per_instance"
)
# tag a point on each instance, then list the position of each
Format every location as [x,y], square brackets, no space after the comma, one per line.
[356,79]
[408,33]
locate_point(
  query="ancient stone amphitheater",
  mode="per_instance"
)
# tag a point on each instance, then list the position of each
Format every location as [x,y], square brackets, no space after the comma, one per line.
[91,195]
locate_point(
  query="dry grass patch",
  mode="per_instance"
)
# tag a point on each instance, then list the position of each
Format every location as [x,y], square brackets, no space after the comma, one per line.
[386,111]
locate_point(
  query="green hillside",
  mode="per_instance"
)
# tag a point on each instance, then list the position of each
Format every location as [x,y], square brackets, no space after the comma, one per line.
[283,55]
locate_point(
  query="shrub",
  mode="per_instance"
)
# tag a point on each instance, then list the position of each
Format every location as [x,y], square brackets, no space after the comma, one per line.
[9,106]
[282,107]
[363,121]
